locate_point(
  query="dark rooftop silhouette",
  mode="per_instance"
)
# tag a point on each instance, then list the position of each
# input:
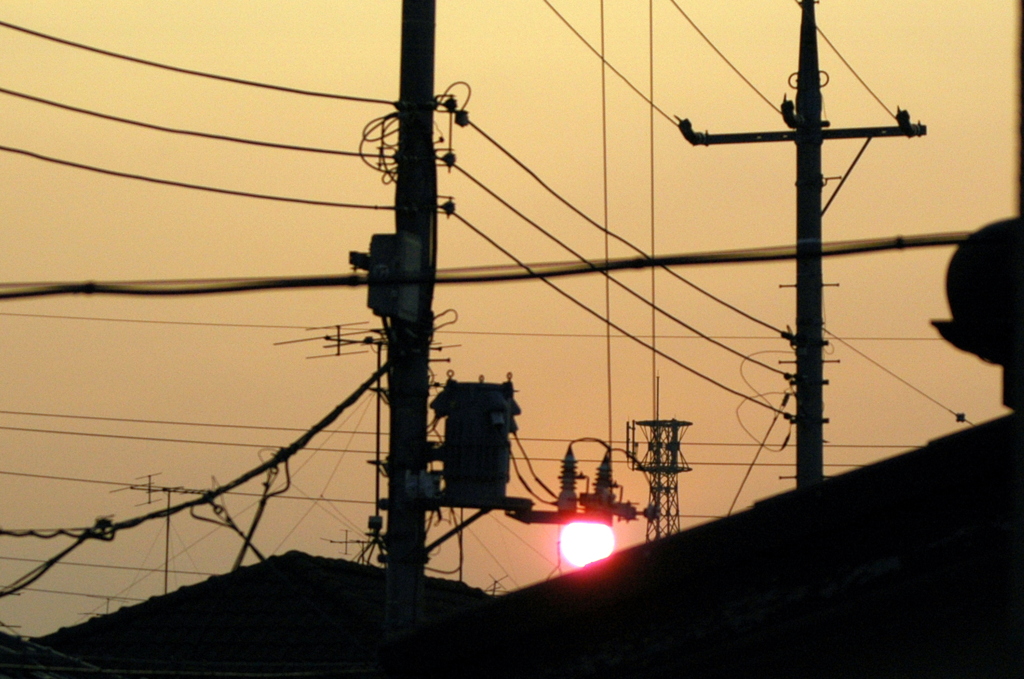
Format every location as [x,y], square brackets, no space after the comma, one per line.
[293,612]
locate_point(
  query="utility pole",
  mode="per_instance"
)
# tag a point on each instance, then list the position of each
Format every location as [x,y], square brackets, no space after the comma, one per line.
[808,132]
[411,324]
[809,340]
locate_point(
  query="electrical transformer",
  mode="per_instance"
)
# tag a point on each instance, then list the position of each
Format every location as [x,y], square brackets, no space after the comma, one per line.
[475,453]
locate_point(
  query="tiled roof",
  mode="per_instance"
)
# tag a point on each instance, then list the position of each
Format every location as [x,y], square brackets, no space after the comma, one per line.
[293,612]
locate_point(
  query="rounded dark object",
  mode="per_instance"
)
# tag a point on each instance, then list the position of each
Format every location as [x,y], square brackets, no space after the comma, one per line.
[979,286]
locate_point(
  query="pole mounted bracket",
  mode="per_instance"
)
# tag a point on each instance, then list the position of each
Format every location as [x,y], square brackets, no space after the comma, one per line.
[909,129]
[695,138]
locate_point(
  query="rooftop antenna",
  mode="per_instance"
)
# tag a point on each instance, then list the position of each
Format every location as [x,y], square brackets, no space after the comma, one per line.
[342,337]
[150,489]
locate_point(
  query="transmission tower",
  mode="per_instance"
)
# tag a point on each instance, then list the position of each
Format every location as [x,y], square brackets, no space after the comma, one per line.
[661,461]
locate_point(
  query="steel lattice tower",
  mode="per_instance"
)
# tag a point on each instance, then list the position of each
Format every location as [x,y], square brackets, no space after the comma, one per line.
[661,462]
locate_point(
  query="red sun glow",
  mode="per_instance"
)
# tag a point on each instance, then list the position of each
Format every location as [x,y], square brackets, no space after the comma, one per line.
[582,543]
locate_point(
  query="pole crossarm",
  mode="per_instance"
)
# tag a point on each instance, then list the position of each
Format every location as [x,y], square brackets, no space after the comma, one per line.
[705,139]
[808,130]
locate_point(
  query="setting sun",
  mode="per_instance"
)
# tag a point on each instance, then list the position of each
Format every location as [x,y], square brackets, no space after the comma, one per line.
[583,543]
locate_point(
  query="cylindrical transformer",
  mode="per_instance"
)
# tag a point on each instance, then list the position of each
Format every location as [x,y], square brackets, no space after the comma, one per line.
[480,417]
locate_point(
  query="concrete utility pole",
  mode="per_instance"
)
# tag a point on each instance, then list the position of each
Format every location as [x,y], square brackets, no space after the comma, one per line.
[808,131]
[809,339]
[412,324]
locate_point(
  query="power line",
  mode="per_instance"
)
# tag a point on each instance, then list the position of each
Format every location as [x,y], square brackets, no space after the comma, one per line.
[105,529]
[188,71]
[583,335]
[158,439]
[606,219]
[609,321]
[960,417]
[614,70]
[107,566]
[611,279]
[494,274]
[757,454]
[122,484]
[851,69]
[126,599]
[174,130]
[498,333]
[63,317]
[725,58]
[372,433]
[855,74]
[249,427]
[620,239]
[185,185]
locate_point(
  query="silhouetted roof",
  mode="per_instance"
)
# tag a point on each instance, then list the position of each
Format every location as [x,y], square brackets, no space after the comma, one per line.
[21,659]
[293,612]
[898,569]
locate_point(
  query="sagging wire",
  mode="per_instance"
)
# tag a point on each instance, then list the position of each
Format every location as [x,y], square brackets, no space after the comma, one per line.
[617,237]
[491,274]
[447,312]
[529,489]
[458,569]
[609,278]
[188,71]
[753,462]
[260,507]
[597,315]
[762,397]
[382,135]
[223,520]
[515,435]
[187,185]
[447,102]
[175,130]
[104,529]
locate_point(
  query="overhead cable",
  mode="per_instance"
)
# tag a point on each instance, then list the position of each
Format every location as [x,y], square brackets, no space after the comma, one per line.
[65,317]
[188,71]
[125,486]
[617,237]
[851,69]
[175,130]
[158,439]
[855,74]
[629,290]
[611,68]
[757,454]
[611,323]
[109,566]
[499,333]
[960,417]
[494,274]
[725,58]
[365,432]
[106,530]
[134,420]
[197,187]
